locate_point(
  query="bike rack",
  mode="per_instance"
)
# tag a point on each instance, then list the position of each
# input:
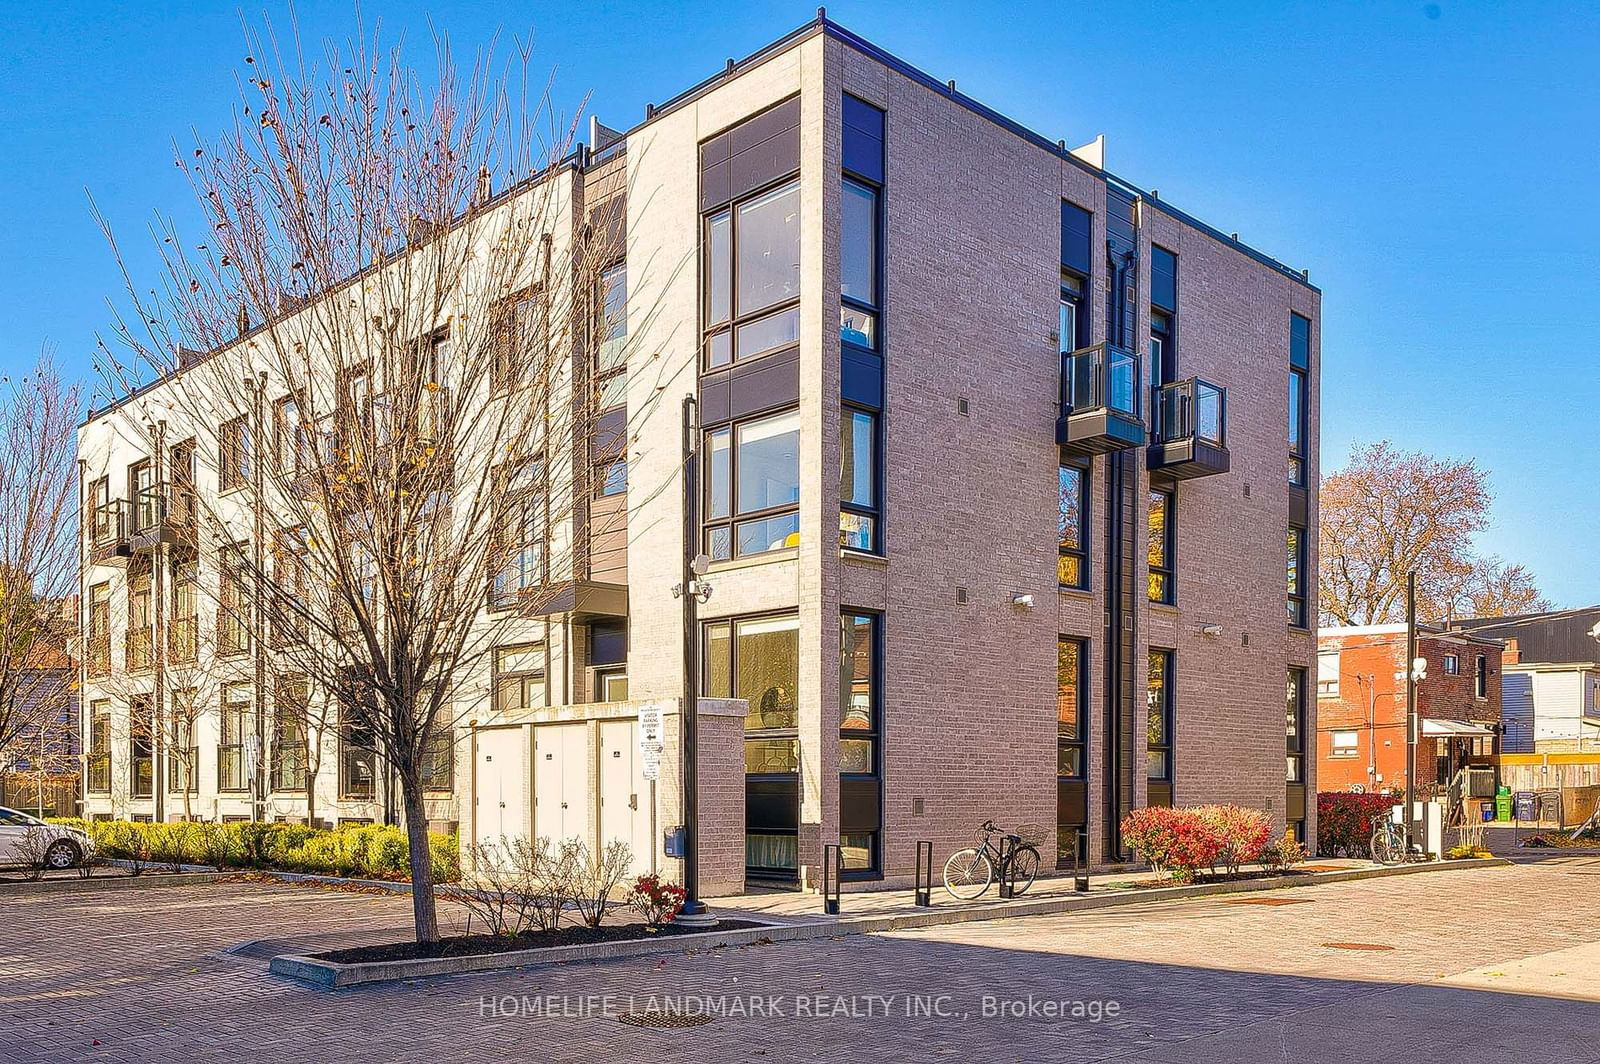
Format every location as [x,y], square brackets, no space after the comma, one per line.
[924,874]
[1007,879]
[830,881]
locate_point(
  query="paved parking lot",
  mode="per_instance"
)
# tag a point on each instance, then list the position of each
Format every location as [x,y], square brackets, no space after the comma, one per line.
[1487,965]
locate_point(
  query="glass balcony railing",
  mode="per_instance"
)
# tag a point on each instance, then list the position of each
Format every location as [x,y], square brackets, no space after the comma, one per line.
[1192,409]
[1100,377]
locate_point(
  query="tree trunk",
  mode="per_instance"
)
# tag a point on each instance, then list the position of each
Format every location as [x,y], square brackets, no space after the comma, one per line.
[312,767]
[423,910]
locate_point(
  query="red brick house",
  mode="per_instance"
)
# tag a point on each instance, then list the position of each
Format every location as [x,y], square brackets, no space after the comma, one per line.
[1361,706]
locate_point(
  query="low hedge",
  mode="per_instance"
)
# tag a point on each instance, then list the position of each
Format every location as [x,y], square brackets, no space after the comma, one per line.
[1346,821]
[368,851]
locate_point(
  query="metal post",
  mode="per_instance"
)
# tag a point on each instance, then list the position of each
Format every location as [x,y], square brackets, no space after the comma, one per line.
[694,911]
[1006,849]
[1411,706]
[830,879]
[1080,874]
[924,884]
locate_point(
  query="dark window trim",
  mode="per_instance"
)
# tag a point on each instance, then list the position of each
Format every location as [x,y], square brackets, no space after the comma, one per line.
[1298,612]
[602,336]
[1169,549]
[735,319]
[879,272]
[735,517]
[1079,299]
[875,511]
[1480,676]
[1169,706]
[1086,523]
[1295,746]
[733,621]
[1081,741]
[875,700]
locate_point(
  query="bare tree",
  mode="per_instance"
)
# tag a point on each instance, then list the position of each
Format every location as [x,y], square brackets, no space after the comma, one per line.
[38,562]
[398,382]
[1389,512]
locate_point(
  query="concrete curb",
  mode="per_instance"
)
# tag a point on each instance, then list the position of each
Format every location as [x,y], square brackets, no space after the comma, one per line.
[146,881]
[328,975]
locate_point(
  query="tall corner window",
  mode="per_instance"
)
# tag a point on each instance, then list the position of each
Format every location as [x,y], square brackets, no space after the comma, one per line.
[1072,707]
[611,358]
[752,276]
[1294,727]
[1159,716]
[1072,566]
[858,480]
[1299,423]
[1480,673]
[758,659]
[99,779]
[859,710]
[1297,576]
[1162,548]
[859,264]
[235,728]
[752,478]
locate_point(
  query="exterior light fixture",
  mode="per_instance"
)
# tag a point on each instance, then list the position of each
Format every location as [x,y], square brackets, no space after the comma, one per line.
[1025,601]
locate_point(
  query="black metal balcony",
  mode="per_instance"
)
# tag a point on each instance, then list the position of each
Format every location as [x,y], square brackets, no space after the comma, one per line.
[108,533]
[1191,430]
[1100,400]
[162,513]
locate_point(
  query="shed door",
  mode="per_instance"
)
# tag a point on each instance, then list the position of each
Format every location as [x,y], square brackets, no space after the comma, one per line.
[625,794]
[502,785]
[561,782]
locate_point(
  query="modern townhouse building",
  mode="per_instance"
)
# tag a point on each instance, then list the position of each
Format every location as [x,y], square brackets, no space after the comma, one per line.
[1006,470]
[1552,679]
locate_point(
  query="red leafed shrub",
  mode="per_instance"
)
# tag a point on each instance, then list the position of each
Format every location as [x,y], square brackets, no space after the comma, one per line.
[1345,821]
[1152,834]
[655,900]
[1242,834]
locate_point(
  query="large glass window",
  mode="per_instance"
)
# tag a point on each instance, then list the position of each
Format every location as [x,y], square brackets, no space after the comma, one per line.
[235,728]
[1159,717]
[611,362]
[141,622]
[1162,550]
[519,677]
[757,659]
[858,264]
[141,761]
[858,708]
[439,755]
[858,480]
[184,633]
[752,277]
[233,457]
[290,718]
[1072,568]
[99,781]
[1296,575]
[99,633]
[753,487]
[358,751]
[1072,707]
[522,531]
[233,620]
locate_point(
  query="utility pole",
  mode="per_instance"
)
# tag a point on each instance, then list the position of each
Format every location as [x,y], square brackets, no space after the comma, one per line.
[1411,706]
[692,592]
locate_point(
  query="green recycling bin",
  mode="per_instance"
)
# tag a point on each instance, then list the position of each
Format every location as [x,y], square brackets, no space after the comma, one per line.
[1502,806]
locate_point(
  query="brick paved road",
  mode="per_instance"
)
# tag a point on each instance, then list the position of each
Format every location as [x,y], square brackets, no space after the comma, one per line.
[1478,960]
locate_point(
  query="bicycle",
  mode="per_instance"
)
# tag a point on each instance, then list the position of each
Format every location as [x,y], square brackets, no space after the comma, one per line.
[968,872]
[1388,845]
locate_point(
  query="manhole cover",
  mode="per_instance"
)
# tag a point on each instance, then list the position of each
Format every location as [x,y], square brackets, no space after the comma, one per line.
[664,1020]
[1265,901]
[1372,946]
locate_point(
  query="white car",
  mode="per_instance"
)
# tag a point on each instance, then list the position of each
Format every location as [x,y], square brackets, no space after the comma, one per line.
[65,848]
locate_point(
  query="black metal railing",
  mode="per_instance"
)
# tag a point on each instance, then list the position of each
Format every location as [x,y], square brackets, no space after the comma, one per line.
[1103,376]
[108,523]
[1192,409]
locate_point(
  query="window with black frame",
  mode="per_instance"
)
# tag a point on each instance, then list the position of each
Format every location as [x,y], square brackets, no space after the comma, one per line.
[611,359]
[858,480]
[182,753]
[1159,717]
[1299,416]
[1162,549]
[752,478]
[1295,727]
[141,759]
[1072,707]
[290,719]
[859,716]
[1073,324]
[99,779]
[235,728]
[752,276]
[1297,576]
[1072,566]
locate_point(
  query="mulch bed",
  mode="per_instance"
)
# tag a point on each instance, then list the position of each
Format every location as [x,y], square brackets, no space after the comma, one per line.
[473,945]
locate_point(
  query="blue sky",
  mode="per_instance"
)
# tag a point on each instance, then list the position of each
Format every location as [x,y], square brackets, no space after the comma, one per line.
[1433,165]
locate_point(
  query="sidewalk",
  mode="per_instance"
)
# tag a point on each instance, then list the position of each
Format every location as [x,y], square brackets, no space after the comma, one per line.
[796,906]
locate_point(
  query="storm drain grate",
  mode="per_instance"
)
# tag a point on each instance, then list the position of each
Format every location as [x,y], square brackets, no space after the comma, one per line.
[1371,946]
[1266,901]
[665,1021]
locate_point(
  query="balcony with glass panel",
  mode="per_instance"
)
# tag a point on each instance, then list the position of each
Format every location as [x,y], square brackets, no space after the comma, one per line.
[1191,430]
[1100,400]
